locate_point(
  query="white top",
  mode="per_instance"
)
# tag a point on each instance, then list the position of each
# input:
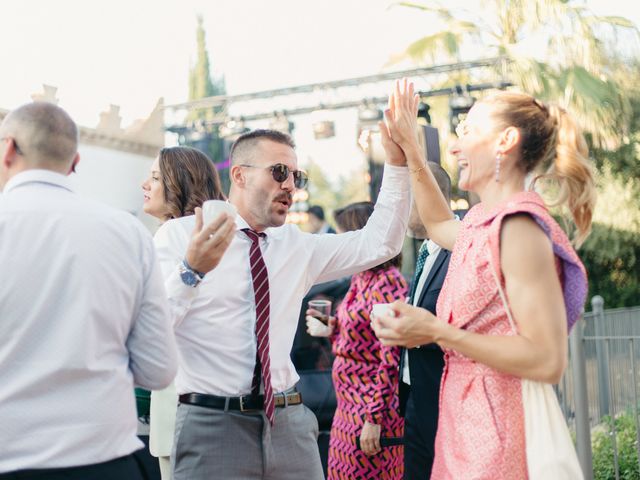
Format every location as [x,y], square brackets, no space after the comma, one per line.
[434,251]
[83,316]
[215,322]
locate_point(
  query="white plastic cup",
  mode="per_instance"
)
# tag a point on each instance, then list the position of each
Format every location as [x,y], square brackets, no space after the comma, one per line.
[212,209]
[323,307]
[380,309]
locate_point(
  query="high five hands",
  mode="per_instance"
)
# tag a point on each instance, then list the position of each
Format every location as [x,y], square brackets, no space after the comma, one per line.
[399,130]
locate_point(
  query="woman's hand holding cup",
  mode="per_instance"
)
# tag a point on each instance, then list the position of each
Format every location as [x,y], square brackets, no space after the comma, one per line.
[320,323]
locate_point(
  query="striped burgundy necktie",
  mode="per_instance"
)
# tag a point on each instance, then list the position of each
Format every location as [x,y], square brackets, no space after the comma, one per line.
[261,291]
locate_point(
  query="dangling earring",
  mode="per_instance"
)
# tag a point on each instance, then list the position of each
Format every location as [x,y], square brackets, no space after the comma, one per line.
[498,160]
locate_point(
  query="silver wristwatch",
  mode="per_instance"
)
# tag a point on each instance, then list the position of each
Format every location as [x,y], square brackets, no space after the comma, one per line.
[189,276]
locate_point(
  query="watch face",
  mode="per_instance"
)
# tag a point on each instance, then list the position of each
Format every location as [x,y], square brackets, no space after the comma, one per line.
[189,278]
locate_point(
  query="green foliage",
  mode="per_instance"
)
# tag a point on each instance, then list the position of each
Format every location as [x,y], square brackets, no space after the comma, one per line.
[626,445]
[612,260]
[322,192]
[625,161]
[353,188]
[201,85]
[580,67]
[612,252]
[320,189]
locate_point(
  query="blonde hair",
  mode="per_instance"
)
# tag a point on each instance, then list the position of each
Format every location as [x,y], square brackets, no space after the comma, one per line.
[553,145]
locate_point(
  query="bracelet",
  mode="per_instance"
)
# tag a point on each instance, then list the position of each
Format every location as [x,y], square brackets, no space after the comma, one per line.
[418,170]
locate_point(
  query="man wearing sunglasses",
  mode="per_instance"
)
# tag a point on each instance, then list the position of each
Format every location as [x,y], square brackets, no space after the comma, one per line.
[239,414]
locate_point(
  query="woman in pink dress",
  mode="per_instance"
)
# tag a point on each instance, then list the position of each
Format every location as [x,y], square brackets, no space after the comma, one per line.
[365,373]
[507,243]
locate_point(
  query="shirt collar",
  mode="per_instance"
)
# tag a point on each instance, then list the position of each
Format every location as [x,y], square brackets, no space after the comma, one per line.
[271,232]
[484,215]
[242,224]
[432,246]
[38,176]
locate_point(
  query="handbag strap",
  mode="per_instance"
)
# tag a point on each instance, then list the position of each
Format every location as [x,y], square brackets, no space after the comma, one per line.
[502,295]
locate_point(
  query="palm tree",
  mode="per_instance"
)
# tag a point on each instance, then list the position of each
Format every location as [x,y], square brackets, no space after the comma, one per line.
[554,49]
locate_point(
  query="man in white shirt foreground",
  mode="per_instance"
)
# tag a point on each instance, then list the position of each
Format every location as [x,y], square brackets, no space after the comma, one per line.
[83,313]
[231,422]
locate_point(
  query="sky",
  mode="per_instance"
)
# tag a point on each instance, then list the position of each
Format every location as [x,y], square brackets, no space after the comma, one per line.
[132,52]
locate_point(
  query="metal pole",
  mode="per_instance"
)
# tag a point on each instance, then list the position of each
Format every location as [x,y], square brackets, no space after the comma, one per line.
[614,429]
[583,430]
[635,393]
[597,304]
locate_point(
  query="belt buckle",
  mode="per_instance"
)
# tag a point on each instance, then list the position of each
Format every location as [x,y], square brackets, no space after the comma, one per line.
[250,408]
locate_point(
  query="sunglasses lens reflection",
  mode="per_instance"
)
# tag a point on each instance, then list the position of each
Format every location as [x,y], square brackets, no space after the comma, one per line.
[300,179]
[280,173]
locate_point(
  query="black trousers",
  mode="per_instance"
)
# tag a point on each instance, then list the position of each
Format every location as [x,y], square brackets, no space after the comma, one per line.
[419,435]
[421,415]
[123,468]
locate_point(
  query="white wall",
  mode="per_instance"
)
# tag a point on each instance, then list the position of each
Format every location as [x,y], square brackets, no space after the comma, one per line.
[114,177]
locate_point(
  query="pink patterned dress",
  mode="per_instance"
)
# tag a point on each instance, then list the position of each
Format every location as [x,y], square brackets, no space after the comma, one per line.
[481,432]
[365,376]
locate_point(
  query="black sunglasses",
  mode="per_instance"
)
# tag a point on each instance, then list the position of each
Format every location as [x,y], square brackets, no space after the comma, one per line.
[280,172]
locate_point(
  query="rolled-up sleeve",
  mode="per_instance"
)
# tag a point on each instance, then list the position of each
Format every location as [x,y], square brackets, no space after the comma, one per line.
[171,241]
[336,256]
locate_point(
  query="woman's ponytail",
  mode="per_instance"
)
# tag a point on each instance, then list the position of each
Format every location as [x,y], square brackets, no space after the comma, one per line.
[570,166]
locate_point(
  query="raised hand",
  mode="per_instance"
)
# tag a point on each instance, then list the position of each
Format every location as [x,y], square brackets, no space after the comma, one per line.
[395,155]
[209,243]
[402,114]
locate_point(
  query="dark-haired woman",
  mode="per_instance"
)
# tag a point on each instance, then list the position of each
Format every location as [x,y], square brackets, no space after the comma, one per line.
[181,179]
[365,373]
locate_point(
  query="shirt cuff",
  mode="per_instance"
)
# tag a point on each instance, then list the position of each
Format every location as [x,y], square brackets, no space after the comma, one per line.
[395,178]
[178,291]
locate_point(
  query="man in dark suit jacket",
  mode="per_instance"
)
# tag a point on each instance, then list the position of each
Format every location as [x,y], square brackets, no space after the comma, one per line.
[419,385]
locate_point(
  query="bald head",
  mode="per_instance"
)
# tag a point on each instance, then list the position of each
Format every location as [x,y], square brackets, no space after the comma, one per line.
[44,135]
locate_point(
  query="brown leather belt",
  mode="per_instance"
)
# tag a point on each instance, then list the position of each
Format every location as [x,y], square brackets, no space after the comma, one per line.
[246,403]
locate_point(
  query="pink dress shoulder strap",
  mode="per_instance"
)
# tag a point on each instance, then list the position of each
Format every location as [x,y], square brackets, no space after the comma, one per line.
[573,274]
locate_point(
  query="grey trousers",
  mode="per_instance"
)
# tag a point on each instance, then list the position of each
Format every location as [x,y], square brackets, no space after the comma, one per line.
[215,444]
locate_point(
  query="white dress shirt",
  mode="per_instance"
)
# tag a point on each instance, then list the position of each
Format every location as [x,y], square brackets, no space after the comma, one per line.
[83,316]
[215,322]
[434,251]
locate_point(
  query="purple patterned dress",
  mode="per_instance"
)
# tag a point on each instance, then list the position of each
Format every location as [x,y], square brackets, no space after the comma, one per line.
[365,376]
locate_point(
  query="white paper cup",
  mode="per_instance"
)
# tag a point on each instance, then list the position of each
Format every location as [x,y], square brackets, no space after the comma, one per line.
[212,209]
[380,309]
